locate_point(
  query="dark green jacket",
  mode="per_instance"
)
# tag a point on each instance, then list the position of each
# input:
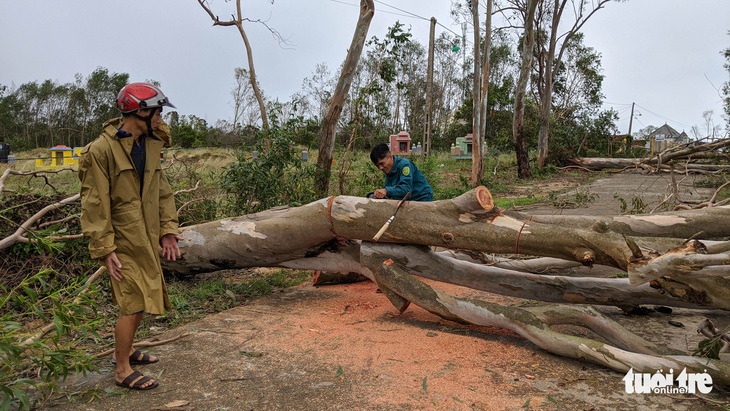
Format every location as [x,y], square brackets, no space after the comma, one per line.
[405,177]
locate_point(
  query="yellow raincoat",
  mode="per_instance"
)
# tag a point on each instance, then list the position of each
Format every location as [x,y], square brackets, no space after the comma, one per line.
[116,218]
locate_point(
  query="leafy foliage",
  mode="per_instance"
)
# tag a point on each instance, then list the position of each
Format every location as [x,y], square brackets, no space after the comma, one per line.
[47,113]
[638,205]
[710,347]
[37,365]
[277,176]
[189,131]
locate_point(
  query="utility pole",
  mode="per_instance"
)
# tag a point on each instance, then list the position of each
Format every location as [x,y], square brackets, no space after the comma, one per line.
[429,89]
[631,119]
[463,58]
[631,122]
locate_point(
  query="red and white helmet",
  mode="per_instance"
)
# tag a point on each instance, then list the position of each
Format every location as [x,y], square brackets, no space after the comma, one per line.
[140,96]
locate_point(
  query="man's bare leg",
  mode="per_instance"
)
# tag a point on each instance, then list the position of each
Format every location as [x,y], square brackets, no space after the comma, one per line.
[123,337]
[136,324]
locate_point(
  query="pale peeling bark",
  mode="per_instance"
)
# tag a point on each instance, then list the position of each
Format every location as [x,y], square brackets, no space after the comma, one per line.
[617,292]
[683,157]
[466,222]
[699,224]
[687,272]
[293,237]
[364,258]
[534,325]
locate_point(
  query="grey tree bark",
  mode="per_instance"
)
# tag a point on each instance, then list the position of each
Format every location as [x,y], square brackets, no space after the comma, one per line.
[325,235]
[519,136]
[551,58]
[625,350]
[477,157]
[327,142]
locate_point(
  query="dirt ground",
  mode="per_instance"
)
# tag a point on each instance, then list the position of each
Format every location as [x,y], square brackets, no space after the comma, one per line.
[344,347]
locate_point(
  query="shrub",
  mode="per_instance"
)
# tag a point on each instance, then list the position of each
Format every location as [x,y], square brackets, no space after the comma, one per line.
[276,177]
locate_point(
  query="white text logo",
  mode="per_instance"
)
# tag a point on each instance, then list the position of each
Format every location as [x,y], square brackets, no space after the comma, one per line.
[660,383]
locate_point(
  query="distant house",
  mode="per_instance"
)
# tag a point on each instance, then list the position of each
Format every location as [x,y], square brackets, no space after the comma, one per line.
[665,137]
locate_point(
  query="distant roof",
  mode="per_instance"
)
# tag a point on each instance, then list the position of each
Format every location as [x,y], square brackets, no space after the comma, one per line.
[667,131]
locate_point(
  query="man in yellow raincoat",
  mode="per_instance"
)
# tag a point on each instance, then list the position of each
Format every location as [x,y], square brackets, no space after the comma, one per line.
[128,213]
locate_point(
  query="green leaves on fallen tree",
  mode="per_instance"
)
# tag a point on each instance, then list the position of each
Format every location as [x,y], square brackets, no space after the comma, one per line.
[33,360]
[709,348]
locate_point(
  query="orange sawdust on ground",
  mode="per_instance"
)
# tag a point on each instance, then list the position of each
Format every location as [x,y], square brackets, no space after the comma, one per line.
[416,358]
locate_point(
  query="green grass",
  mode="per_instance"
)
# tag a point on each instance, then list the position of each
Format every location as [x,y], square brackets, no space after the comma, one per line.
[192,299]
[517,202]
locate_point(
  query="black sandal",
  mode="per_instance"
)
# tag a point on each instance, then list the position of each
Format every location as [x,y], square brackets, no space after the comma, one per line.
[138,358]
[136,381]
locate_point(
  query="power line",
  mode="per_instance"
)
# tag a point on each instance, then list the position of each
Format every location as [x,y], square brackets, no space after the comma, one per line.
[411,15]
[408,14]
[617,104]
[625,107]
[404,11]
[665,118]
[420,17]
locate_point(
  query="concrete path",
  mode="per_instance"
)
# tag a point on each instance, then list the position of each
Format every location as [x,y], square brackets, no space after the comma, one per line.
[622,193]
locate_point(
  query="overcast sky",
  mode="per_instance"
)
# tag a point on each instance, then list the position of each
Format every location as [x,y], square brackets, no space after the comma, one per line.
[663,55]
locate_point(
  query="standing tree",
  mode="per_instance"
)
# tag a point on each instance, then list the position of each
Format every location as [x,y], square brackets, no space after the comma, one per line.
[245,112]
[317,92]
[481,92]
[519,137]
[428,117]
[447,94]
[327,142]
[550,54]
[237,21]
[394,64]
[726,88]
[477,160]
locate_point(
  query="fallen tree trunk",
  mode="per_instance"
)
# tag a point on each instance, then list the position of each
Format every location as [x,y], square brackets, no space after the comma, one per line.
[687,153]
[364,258]
[284,236]
[469,221]
[600,163]
[304,238]
[698,224]
[619,292]
[534,325]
